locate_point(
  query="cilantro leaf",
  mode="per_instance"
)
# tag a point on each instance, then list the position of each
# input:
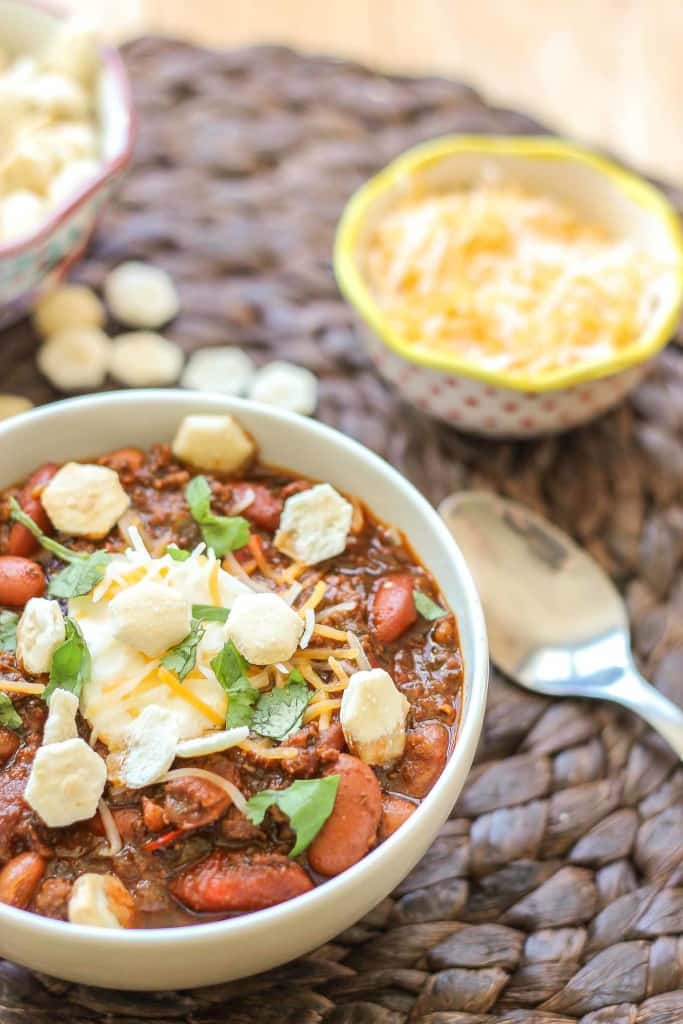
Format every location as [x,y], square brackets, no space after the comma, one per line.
[307,803]
[427,608]
[209,613]
[229,665]
[225,533]
[71,665]
[80,577]
[8,631]
[241,699]
[280,712]
[181,659]
[9,716]
[85,570]
[220,533]
[198,495]
[231,668]
[178,554]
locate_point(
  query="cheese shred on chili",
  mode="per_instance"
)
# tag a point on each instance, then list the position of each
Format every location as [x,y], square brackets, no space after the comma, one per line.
[166,677]
[320,708]
[10,686]
[315,598]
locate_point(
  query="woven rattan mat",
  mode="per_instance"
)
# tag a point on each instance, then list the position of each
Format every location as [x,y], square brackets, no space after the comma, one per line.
[555,892]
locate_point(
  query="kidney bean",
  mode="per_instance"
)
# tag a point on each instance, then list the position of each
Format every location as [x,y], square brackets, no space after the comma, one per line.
[264,511]
[124,460]
[351,829]
[20,878]
[424,759]
[9,741]
[393,608]
[36,484]
[229,882]
[21,541]
[395,810]
[20,580]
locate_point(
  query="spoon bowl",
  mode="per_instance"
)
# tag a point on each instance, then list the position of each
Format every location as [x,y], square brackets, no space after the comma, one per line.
[556,623]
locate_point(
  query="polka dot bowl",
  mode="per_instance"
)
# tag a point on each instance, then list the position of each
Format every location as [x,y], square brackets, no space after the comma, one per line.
[35,262]
[472,397]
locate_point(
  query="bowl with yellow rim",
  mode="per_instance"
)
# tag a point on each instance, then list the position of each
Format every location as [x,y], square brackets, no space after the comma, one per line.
[473,393]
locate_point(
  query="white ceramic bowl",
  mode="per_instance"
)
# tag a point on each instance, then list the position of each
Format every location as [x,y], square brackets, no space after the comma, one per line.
[205,954]
[463,392]
[35,263]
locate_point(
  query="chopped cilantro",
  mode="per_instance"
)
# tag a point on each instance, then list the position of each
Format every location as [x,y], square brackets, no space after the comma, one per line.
[307,803]
[220,533]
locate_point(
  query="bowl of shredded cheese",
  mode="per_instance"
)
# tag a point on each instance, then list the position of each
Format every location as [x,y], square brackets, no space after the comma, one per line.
[511,286]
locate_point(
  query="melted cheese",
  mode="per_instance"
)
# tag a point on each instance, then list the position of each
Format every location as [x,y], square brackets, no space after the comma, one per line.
[124,681]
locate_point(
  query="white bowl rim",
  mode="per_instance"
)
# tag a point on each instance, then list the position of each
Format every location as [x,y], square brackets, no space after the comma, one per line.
[111,59]
[467,736]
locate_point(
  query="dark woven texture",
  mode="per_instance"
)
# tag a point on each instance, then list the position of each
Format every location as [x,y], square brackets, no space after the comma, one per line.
[555,892]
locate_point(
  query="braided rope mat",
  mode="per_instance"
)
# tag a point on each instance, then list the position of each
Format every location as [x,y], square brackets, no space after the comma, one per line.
[555,892]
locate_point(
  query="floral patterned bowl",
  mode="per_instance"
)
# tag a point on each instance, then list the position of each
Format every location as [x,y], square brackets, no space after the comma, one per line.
[463,393]
[33,264]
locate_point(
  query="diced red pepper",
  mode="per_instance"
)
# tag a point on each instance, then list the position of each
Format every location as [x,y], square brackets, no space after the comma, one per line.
[159,842]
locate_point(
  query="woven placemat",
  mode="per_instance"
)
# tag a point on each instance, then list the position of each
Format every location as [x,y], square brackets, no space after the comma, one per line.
[555,892]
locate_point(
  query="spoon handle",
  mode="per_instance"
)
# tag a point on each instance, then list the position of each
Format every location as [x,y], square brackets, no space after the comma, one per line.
[632,691]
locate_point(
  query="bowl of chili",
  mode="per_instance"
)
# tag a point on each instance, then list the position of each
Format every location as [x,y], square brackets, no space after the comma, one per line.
[231,800]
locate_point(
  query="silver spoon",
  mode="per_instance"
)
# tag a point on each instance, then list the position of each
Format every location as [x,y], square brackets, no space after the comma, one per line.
[556,623]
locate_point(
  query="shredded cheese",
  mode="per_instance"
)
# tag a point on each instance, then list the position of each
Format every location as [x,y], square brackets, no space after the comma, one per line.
[335,609]
[256,548]
[151,682]
[290,595]
[166,677]
[133,682]
[260,680]
[311,676]
[330,633]
[114,841]
[319,708]
[231,565]
[338,671]
[323,653]
[109,588]
[214,588]
[9,686]
[315,598]
[292,572]
[360,653]
[513,280]
[246,500]
[270,753]
[309,617]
